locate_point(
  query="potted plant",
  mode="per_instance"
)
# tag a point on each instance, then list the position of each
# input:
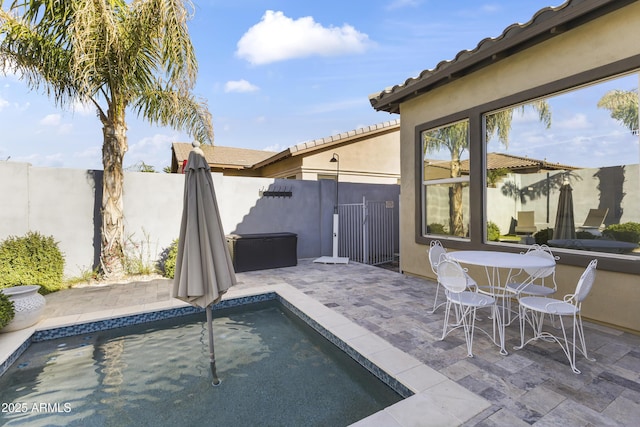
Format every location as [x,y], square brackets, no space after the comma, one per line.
[28,306]
[6,310]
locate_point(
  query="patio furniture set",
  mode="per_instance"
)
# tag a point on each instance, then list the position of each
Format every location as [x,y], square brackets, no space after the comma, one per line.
[526,279]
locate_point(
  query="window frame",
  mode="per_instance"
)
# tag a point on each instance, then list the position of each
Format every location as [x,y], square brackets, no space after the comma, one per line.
[477,175]
[439,181]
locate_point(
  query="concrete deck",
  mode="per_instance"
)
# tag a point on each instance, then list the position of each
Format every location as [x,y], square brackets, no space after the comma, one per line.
[386,317]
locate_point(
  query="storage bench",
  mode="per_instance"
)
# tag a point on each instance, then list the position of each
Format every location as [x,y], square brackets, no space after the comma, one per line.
[263,250]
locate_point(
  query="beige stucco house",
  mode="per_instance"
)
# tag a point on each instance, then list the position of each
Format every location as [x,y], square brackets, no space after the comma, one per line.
[569,57]
[366,155]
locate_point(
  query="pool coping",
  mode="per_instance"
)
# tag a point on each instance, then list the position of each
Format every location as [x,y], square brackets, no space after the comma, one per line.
[430,398]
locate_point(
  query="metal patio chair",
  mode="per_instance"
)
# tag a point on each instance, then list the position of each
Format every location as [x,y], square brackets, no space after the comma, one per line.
[533,310]
[454,279]
[538,282]
[436,250]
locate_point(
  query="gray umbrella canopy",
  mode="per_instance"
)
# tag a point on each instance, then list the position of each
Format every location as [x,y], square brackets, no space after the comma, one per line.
[204,269]
[565,227]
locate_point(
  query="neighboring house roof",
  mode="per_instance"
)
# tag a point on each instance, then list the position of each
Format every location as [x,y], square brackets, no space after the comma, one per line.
[338,139]
[545,24]
[222,157]
[242,158]
[516,164]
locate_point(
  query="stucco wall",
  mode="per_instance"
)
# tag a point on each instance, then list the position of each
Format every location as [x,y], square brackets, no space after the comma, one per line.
[594,44]
[374,160]
[65,203]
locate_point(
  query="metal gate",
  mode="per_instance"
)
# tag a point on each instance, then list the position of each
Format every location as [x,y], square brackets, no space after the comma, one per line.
[365,232]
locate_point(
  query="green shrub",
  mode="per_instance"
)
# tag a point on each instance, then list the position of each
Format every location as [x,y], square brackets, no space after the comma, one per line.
[543,236]
[31,260]
[584,235]
[627,232]
[167,263]
[436,228]
[6,310]
[137,255]
[493,232]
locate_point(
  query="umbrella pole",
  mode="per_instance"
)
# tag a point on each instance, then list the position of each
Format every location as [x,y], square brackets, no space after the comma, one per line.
[212,356]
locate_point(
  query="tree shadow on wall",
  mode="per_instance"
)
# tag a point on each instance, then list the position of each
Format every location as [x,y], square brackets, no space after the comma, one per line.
[537,190]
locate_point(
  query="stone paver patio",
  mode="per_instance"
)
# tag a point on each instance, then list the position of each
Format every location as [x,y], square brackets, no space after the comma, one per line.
[532,386]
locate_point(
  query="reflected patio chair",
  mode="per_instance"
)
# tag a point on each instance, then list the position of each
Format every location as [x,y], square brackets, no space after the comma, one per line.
[533,310]
[436,250]
[594,221]
[526,223]
[454,279]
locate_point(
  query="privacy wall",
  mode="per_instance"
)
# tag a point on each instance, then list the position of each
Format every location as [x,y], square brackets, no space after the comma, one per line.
[65,203]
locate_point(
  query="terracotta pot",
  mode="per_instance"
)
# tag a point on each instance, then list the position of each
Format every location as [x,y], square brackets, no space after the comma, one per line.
[28,305]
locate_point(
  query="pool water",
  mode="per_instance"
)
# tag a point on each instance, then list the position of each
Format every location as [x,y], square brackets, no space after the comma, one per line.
[275,371]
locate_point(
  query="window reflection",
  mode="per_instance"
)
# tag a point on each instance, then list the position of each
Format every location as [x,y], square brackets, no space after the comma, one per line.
[584,141]
[445,180]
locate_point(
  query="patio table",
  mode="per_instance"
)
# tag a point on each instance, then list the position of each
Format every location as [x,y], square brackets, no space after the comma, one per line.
[494,262]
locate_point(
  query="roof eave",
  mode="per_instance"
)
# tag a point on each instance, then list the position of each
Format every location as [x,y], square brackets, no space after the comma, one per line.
[546,24]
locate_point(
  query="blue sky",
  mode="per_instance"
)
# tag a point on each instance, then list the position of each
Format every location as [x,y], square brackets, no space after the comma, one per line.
[274,73]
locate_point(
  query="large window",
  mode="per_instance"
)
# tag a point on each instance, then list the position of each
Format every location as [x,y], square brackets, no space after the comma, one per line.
[445,180]
[564,170]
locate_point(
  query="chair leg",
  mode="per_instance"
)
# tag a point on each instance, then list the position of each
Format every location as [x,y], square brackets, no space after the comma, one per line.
[582,341]
[469,322]
[447,311]
[435,300]
[570,352]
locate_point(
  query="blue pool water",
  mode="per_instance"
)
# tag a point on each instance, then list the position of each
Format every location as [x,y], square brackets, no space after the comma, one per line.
[275,371]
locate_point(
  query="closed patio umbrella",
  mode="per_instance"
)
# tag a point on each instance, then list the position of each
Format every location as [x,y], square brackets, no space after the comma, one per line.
[204,269]
[565,227]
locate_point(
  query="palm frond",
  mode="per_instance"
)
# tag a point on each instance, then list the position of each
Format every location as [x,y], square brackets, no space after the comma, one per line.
[180,110]
[622,106]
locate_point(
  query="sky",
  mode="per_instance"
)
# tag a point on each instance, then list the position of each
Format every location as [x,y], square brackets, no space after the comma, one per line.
[274,73]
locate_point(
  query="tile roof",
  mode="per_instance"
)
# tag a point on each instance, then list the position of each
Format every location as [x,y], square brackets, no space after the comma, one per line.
[216,155]
[243,158]
[508,161]
[516,164]
[342,137]
[546,23]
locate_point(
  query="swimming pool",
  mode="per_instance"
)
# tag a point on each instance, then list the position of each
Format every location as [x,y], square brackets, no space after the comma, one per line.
[144,376]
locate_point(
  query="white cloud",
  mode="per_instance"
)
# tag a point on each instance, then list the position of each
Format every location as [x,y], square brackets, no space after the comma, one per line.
[84,109]
[89,153]
[23,107]
[275,148]
[51,120]
[3,104]
[153,150]
[55,160]
[153,144]
[241,86]
[577,121]
[277,38]
[65,129]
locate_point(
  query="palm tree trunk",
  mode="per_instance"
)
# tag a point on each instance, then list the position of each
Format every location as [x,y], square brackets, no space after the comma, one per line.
[456,226]
[112,231]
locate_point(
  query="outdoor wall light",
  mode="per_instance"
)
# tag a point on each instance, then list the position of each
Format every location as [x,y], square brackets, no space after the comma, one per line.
[336,159]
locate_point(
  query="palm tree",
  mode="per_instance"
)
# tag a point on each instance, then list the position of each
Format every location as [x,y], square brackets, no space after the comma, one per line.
[115,55]
[623,106]
[455,138]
